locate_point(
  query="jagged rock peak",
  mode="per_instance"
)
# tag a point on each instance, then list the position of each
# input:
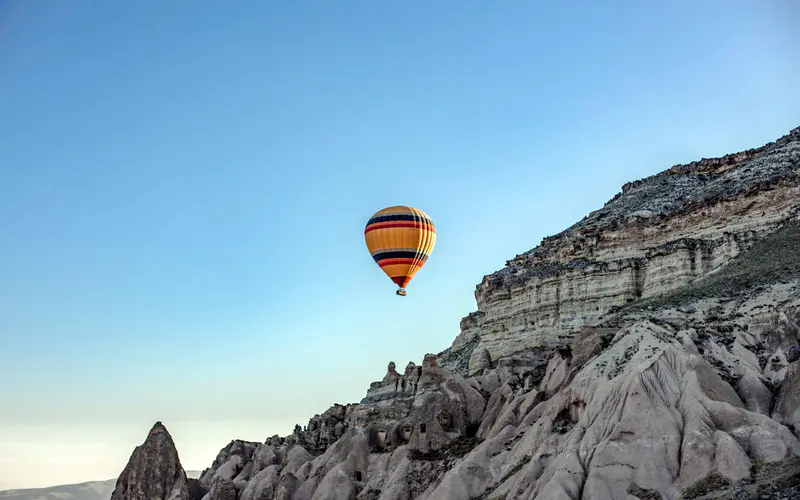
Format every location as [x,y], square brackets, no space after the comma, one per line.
[159,429]
[154,471]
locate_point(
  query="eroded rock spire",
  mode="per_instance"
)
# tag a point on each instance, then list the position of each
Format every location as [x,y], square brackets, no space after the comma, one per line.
[154,471]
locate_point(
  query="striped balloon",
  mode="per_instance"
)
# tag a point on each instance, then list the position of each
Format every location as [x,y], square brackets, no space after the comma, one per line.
[400,239]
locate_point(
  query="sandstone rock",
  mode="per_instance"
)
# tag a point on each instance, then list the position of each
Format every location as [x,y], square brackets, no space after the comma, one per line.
[440,407]
[154,471]
[787,407]
[482,361]
[754,393]
[693,226]
[587,344]
[223,489]
[323,430]
[196,489]
[644,412]
[263,484]
[263,457]
[429,361]
[230,463]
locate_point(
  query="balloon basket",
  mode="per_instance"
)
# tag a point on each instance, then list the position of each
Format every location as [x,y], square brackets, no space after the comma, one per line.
[401,292]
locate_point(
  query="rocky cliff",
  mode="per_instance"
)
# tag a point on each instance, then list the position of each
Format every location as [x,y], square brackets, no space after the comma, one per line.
[651,351]
[659,234]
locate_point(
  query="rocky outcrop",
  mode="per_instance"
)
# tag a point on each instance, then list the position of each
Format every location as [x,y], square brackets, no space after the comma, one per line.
[649,402]
[154,471]
[427,408]
[426,423]
[246,470]
[232,466]
[659,234]
[323,430]
[651,351]
[671,401]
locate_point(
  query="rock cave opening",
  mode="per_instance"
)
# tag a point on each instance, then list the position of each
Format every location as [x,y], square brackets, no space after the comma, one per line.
[422,428]
[563,423]
[381,445]
[445,420]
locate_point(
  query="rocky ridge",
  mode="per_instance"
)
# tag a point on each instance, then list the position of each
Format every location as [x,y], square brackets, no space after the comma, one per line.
[650,351]
[660,234]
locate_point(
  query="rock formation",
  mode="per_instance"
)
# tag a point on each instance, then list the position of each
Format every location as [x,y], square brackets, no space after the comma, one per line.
[650,351]
[154,472]
[660,234]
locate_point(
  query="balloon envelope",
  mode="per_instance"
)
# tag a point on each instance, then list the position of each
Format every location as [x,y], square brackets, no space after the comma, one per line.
[400,240]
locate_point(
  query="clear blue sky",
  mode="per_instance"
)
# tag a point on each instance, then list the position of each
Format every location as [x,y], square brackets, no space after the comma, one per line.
[184,186]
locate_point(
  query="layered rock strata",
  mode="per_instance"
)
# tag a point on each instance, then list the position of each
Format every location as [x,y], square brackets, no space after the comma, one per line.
[659,234]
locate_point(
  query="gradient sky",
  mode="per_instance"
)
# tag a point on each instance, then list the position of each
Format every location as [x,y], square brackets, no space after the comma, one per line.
[184,186]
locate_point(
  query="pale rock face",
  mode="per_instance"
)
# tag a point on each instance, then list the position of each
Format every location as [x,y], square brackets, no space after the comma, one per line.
[229,465]
[646,412]
[787,407]
[223,489]
[323,430]
[661,234]
[263,484]
[260,471]
[426,411]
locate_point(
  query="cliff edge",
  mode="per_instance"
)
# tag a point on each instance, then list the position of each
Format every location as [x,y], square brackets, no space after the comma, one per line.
[658,235]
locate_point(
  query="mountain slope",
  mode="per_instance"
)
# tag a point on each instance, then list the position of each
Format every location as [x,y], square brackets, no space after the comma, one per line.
[652,350]
[660,234]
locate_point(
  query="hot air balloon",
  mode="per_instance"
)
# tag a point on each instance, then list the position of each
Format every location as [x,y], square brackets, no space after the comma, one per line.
[400,239]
